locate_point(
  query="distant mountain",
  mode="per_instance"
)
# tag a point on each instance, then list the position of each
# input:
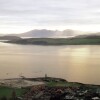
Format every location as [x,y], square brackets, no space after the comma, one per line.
[48,33]
[38,33]
[9,38]
[44,33]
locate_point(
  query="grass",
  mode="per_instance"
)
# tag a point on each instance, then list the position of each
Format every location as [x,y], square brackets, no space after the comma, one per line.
[58,41]
[7,91]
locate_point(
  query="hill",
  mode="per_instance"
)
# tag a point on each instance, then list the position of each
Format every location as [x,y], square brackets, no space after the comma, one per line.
[44,33]
[88,40]
[9,38]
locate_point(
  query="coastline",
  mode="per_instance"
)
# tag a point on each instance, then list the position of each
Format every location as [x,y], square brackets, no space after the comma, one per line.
[41,88]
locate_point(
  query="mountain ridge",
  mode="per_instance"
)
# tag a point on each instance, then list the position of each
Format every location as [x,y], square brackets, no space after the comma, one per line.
[45,33]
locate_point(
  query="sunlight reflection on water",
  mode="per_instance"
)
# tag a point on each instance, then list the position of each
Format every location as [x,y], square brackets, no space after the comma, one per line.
[74,63]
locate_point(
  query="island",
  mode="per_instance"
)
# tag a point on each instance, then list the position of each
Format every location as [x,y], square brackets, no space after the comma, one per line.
[78,40]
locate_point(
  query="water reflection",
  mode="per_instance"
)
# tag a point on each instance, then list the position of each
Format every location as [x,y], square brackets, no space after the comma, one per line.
[74,63]
[82,63]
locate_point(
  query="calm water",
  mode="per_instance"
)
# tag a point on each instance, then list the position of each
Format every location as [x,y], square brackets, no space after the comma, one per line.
[74,63]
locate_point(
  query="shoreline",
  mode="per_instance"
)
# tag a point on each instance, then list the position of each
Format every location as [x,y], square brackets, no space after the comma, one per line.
[48,88]
[47,80]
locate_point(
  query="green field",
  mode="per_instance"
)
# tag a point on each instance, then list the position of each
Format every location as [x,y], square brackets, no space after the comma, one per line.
[58,41]
[7,91]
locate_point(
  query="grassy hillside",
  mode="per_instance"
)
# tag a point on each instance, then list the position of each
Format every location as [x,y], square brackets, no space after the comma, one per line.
[7,91]
[59,41]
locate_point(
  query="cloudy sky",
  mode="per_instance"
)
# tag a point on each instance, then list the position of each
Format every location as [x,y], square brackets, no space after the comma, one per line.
[17,16]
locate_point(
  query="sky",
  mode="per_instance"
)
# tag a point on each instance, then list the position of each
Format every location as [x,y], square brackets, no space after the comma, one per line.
[18,16]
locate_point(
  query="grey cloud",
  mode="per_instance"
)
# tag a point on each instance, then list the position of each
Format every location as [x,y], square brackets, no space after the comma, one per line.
[49,12]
